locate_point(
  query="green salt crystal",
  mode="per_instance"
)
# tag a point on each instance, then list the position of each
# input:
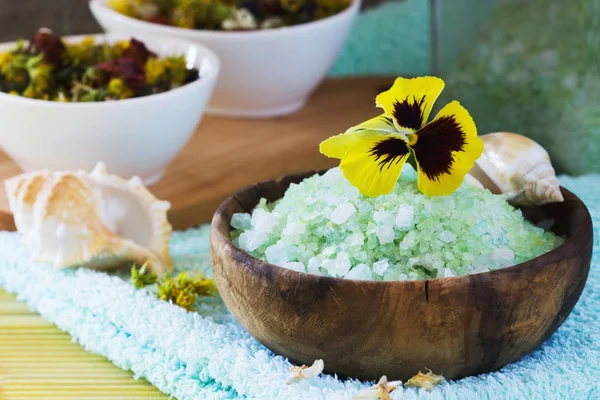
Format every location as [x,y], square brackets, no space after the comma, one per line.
[323,226]
[360,272]
[241,221]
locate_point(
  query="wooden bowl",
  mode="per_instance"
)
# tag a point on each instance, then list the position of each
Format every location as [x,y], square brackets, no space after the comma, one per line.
[456,326]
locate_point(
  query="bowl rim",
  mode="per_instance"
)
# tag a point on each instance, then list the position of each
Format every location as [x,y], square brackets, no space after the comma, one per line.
[240,255]
[102,6]
[147,39]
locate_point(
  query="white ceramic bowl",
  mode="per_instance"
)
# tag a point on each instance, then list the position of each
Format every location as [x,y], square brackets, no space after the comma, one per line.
[137,136]
[264,73]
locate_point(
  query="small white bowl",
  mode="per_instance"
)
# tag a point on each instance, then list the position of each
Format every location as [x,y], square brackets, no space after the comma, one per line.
[264,73]
[138,136]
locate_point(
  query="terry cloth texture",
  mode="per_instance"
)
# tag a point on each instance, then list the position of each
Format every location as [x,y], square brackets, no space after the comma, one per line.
[207,355]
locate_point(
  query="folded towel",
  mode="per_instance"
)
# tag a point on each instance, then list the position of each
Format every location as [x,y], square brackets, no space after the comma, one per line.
[207,355]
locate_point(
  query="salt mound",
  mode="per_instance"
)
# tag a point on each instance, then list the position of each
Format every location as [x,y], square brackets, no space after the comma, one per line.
[324,226]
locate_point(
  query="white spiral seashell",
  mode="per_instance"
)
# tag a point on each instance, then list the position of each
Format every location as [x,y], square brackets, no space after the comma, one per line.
[518,167]
[95,220]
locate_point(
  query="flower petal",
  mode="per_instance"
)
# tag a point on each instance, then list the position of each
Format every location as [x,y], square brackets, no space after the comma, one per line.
[381,123]
[375,162]
[446,150]
[409,101]
[336,146]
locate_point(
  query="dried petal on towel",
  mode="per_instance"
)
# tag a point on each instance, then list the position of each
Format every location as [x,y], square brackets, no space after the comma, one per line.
[426,381]
[380,391]
[304,372]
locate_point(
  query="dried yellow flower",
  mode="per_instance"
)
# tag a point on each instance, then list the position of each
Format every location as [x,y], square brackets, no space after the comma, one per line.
[123,7]
[177,68]
[117,88]
[141,278]
[426,381]
[6,60]
[154,69]
[170,69]
[183,19]
[30,92]
[82,51]
[184,290]
[118,48]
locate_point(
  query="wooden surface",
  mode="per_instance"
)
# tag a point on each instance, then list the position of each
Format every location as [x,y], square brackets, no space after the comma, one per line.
[365,329]
[37,361]
[227,154]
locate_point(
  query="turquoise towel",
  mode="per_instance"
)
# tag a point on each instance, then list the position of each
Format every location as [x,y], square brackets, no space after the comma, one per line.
[207,355]
[378,43]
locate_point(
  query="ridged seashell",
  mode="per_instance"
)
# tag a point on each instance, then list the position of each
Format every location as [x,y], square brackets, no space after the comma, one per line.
[95,220]
[518,167]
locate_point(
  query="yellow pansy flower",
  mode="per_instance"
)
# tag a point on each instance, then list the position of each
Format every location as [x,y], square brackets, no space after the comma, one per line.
[372,153]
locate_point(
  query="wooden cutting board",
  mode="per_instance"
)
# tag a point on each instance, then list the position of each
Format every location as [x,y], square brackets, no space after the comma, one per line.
[38,361]
[227,154]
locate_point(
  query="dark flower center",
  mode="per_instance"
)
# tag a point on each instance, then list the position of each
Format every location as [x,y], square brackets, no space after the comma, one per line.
[409,114]
[435,144]
[389,151]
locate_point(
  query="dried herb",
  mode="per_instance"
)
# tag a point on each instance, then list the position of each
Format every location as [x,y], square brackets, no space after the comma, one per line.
[235,15]
[52,48]
[184,290]
[141,277]
[49,69]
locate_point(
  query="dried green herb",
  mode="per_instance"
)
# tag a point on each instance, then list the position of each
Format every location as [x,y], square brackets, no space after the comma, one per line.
[184,290]
[229,14]
[141,277]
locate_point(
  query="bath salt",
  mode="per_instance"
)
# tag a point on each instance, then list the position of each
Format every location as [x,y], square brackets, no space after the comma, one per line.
[342,213]
[361,272]
[404,217]
[324,226]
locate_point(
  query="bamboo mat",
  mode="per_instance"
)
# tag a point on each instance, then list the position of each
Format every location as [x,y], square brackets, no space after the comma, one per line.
[37,361]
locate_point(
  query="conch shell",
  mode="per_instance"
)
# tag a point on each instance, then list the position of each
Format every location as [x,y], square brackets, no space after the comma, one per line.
[517,167]
[95,220]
